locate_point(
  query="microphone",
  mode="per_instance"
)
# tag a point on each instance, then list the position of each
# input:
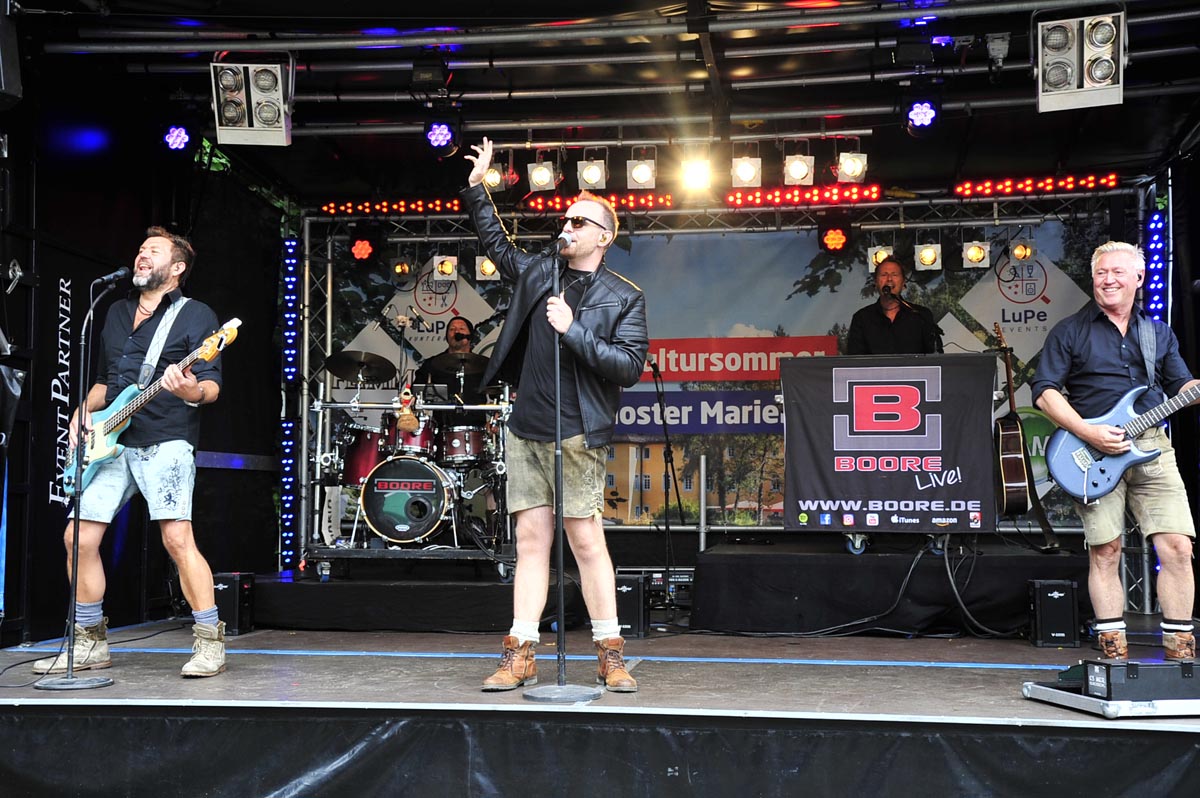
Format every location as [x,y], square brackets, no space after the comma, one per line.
[887,289]
[461,337]
[558,244]
[414,316]
[109,279]
[654,368]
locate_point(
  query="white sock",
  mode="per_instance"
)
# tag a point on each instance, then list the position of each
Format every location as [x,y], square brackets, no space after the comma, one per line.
[525,632]
[1110,626]
[603,630]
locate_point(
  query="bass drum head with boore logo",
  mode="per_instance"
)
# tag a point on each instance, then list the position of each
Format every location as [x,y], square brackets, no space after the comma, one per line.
[407,499]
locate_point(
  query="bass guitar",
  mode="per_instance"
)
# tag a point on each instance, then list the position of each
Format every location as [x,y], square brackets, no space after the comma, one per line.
[1012,477]
[1086,473]
[100,442]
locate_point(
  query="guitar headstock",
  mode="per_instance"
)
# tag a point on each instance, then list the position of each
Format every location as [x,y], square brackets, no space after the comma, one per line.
[218,340]
[1000,336]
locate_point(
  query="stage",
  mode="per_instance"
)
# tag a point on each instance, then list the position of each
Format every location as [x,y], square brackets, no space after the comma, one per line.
[336,713]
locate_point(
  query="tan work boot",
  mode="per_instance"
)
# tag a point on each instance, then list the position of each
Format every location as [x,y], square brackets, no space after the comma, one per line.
[517,667]
[1113,645]
[1179,645]
[91,651]
[612,673]
[208,651]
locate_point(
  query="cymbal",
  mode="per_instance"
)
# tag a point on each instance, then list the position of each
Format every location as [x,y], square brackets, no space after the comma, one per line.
[354,366]
[451,362]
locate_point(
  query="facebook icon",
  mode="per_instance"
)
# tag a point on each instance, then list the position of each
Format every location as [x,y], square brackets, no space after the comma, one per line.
[826,519]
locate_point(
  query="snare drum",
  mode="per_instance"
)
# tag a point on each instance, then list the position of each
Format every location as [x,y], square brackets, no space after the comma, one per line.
[420,442]
[463,446]
[407,499]
[364,451]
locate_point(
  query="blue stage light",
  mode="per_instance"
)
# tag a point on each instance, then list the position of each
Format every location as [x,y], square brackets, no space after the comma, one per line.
[177,138]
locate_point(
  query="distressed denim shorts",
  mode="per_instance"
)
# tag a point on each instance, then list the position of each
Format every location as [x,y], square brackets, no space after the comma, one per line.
[1154,492]
[164,474]
[531,475]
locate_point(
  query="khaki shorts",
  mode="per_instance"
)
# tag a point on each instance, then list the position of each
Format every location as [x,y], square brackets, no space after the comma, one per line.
[1154,492]
[531,476]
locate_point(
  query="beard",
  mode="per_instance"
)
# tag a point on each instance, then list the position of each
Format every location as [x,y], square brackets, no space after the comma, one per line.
[150,282]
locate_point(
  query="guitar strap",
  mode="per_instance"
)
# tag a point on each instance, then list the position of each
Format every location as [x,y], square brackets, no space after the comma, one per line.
[1146,339]
[158,341]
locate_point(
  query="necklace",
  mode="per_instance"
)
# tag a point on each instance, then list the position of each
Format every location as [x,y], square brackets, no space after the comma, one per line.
[144,311]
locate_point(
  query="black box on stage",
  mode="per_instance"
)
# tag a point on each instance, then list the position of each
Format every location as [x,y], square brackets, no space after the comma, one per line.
[235,601]
[1053,613]
[1128,680]
[633,609]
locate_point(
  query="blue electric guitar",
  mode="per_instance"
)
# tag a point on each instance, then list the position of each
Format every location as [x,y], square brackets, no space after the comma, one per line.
[1088,474]
[100,442]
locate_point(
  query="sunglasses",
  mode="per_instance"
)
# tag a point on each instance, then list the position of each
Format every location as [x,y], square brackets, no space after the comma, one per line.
[579,221]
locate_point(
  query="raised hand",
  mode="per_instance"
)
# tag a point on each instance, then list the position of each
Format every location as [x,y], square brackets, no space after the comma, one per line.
[482,160]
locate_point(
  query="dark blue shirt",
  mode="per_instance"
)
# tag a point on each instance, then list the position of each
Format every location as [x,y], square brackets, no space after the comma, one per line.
[1087,358]
[912,332]
[165,417]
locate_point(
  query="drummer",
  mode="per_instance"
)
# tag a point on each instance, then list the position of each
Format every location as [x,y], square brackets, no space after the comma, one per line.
[459,368]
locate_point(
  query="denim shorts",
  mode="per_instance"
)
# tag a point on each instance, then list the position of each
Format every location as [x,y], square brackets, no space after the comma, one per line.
[163,473]
[1154,492]
[530,467]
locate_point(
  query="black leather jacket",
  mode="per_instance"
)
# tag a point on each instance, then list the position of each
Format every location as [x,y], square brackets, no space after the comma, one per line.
[608,337]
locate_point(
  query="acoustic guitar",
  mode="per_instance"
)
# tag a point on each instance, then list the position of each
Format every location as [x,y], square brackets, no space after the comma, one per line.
[1012,476]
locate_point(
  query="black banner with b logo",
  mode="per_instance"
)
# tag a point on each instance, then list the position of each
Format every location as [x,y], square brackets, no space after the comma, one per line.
[889,444]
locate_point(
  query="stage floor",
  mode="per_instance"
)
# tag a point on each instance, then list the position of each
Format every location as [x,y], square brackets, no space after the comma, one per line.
[876,679]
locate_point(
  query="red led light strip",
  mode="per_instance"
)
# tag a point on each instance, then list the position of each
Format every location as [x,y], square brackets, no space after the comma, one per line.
[397,208]
[1046,185]
[799,195]
[630,202]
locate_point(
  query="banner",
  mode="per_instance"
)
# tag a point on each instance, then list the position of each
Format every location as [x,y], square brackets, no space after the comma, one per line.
[698,412]
[889,444]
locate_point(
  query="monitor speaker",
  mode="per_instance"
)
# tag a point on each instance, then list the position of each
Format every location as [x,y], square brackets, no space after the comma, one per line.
[10,64]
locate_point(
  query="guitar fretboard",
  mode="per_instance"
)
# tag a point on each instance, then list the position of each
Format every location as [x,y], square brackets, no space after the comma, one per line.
[1155,415]
[121,416]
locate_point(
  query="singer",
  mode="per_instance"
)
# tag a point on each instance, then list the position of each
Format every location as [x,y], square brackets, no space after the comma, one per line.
[598,320]
[160,441]
[892,325]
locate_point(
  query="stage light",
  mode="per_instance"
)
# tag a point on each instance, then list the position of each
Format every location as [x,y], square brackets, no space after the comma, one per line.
[922,113]
[442,136]
[445,267]
[485,269]
[1157,287]
[876,256]
[746,172]
[798,170]
[543,176]
[852,167]
[1079,62]
[401,267]
[976,255]
[177,138]
[251,102]
[1022,249]
[592,174]
[928,257]
[641,170]
[833,233]
[696,174]
[362,249]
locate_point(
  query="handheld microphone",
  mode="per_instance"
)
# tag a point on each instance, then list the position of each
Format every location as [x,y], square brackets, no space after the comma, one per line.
[558,244]
[109,279]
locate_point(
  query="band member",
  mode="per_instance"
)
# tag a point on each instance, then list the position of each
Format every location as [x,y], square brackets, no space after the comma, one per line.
[1096,356]
[458,366]
[160,442]
[892,325]
[598,323]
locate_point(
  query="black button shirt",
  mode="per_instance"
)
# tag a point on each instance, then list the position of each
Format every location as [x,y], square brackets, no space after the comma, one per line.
[1086,355]
[166,417]
[912,332]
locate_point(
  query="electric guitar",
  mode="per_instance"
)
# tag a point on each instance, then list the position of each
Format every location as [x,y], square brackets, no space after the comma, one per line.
[1088,474]
[1012,478]
[99,443]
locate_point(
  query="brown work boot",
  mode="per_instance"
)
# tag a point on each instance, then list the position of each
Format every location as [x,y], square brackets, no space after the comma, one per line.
[612,673]
[1113,645]
[517,667]
[1179,645]
[91,651]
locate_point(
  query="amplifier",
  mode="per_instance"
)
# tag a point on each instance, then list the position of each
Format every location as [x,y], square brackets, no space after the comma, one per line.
[658,594]
[235,601]
[1053,613]
[1127,680]
[633,608]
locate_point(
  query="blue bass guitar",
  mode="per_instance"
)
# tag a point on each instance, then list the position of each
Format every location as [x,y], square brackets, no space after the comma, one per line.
[1088,474]
[100,442]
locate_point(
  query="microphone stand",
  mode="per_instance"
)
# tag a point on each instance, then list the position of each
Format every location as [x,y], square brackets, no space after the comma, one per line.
[671,479]
[937,331]
[69,681]
[561,692]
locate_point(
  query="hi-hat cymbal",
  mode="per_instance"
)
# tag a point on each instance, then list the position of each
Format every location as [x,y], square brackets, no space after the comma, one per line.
[451,362]
[354,366]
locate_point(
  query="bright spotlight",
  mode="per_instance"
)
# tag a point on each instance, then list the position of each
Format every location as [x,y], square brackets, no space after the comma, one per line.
[697,174]
[929,257]
[876,256]
[542,176]
[976,255]
[798,170]
[852,167]
[1022,249]
[593,173]
[746,172]
[485,269]
[177,138]
[641,173]
[442,137]
[445,267]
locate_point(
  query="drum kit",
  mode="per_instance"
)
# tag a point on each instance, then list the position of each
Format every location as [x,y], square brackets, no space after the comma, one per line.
[433,463]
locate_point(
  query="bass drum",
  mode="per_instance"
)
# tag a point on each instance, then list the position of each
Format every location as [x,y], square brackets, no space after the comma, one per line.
[407,499]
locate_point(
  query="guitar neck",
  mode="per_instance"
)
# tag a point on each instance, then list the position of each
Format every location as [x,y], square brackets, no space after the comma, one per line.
[141,400]
[1155,415]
